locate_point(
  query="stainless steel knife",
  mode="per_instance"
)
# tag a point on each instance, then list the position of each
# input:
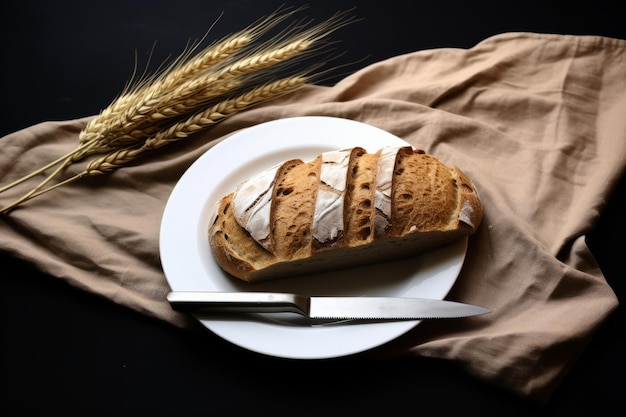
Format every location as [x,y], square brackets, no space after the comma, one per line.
[314,307]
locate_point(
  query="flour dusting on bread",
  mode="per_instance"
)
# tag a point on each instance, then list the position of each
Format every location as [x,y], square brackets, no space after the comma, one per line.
[345,207]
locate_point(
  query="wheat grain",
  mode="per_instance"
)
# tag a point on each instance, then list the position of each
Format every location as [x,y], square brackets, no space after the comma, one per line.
[189,98]
[212,56]
[266,59]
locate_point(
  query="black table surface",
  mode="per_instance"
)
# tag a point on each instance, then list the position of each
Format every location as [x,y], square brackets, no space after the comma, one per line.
[69,352]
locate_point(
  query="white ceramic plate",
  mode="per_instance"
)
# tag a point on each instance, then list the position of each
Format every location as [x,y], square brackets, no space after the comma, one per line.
[189,266]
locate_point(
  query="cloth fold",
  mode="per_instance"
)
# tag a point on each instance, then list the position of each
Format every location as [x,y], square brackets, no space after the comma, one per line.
[535,120]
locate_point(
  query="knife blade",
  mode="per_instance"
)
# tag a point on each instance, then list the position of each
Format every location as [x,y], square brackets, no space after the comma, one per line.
[317,307]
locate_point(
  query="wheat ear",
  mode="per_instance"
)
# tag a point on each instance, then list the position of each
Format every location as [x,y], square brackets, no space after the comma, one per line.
[142,98]
[194,91]
[142,116]
[199,91]
[171,105]
[196,123]
[141,119]
[97,134]
[178,131]
[178,75]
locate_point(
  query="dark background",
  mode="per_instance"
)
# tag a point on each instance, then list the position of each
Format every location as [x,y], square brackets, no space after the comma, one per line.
[72,353]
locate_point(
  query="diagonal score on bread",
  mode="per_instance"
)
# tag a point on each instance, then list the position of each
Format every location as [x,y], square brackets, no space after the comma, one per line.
[343,208]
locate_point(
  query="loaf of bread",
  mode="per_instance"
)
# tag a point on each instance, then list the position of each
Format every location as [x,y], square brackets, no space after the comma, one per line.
[344,208]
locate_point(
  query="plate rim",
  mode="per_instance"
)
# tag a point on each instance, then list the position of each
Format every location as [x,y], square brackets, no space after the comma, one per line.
[228,329]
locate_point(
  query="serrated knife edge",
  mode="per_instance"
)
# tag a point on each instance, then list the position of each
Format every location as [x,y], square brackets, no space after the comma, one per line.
[322,307]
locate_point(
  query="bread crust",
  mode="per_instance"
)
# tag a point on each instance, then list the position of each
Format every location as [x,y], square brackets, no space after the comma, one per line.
[431,205]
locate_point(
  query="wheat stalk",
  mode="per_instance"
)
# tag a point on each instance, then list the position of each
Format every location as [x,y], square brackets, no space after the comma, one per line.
[178,131]
[192,94]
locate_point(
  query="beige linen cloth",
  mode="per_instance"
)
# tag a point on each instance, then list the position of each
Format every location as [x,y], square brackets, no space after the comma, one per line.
[537,121]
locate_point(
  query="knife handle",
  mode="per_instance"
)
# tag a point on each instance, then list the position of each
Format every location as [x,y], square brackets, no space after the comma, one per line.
[241,302]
